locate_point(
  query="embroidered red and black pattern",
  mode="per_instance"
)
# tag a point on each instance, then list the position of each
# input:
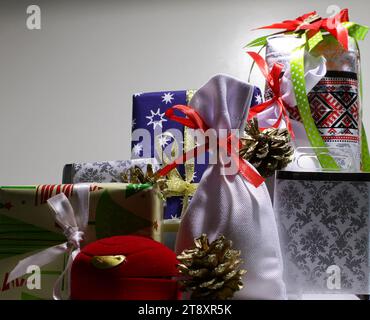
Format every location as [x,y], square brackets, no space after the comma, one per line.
[335,107]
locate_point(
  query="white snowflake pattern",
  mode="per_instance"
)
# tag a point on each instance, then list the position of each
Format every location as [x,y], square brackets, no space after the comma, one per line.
[156,119]
[194,176]
[259,99]
[163,140]
[167,97]
[174,217]
[138,94]
[137,149]
[133,123]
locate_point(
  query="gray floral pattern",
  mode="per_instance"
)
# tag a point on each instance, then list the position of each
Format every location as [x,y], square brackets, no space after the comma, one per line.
[291,198]
[106,171]
[324,223]
[314,242]
[91,174]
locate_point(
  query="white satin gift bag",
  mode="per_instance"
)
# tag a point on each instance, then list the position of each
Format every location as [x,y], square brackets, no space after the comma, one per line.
[230,205]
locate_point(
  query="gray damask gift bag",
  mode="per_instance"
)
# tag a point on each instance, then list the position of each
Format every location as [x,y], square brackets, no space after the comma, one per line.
[323,220]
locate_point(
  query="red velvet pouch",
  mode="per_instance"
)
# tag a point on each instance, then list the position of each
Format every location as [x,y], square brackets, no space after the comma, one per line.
[147,272]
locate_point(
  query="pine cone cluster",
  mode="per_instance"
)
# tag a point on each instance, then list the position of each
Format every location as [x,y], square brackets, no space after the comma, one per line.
[266,150]
[211,271]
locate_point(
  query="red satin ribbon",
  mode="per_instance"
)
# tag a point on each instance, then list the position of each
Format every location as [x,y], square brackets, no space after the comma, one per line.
[291,25]
[332,25]
[194,120]
[273,78]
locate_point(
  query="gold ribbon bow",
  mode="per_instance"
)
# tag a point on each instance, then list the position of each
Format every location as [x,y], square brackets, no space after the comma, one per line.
[173,186]
[176,185]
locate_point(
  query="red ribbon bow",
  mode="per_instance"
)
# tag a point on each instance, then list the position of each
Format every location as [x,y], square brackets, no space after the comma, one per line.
[194,121]
[293,25]
[273,78]
[311,21]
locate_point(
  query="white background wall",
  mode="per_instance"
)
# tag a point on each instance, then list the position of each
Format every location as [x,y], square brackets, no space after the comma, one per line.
[65,90]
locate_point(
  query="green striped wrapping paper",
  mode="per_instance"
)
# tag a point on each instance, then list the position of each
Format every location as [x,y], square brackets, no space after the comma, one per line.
[27,226]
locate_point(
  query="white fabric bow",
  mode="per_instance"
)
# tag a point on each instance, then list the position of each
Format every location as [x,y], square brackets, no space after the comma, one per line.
[315,70]
[74,222]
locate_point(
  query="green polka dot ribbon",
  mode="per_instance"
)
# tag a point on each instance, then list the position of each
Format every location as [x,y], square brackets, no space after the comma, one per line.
[313,134]
[365,156]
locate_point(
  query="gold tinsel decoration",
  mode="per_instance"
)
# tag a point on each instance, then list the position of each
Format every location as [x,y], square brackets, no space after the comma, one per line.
[137,176]
[266,150]
[211,271]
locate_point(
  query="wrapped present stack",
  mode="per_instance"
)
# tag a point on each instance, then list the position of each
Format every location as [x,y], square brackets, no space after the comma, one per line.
[190,211]
[28,225]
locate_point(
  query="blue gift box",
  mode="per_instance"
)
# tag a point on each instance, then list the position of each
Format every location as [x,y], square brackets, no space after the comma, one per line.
[149,113]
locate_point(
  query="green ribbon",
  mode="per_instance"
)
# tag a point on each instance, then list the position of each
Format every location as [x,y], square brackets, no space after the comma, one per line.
[313,134]
[355,30]
[365,155]
[358,32]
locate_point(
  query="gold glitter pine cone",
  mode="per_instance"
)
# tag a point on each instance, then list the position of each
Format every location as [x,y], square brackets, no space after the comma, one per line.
[211,271]
[266,150]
